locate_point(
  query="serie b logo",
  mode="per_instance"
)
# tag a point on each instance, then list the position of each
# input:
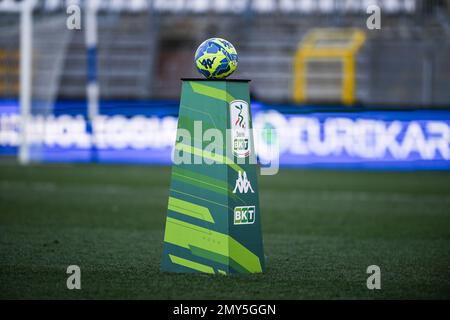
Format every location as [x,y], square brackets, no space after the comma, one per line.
[240,133]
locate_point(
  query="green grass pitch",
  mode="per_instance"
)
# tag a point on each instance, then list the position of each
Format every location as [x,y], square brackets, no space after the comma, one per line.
[321,230]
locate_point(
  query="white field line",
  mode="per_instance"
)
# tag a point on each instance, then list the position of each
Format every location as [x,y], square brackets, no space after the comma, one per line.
[107,189]
[304,195]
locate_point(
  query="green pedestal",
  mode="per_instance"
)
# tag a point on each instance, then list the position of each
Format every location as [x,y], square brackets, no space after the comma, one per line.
[213,219]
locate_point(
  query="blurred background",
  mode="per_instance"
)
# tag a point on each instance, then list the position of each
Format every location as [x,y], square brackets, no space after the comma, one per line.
[118,72]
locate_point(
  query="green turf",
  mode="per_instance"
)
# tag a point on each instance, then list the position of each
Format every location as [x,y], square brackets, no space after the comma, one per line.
[321,230]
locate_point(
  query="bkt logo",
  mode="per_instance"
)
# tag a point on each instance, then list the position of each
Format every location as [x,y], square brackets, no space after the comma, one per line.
[244,215]
[240,145]
[207,63]
[242,183]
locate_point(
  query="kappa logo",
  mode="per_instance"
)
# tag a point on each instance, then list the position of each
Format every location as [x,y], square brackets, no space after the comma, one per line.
[242,183]
[244,215]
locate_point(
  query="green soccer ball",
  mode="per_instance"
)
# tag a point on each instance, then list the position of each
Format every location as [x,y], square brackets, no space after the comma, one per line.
[216,58]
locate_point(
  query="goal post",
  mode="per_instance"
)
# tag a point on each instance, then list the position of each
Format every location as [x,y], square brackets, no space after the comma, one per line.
[41,37]
[26,16]
[18,35]
[92,87]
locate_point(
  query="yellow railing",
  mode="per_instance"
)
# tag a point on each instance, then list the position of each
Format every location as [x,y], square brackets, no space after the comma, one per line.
[337,44]
[9,72]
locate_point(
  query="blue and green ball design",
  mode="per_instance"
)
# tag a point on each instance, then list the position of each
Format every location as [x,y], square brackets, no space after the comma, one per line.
[216,58]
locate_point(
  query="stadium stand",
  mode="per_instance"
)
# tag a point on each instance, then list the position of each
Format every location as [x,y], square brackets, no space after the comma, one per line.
[145,47]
